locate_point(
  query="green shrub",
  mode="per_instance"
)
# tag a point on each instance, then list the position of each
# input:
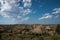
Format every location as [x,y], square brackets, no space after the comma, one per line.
[58,29]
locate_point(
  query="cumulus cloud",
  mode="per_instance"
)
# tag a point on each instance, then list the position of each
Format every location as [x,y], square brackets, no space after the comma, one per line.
[12,9]
[5,9]
[27,3]
[5,15]
[5,6]
[56,11]
[45,16]
[19,17]
[26,0]
[26,11]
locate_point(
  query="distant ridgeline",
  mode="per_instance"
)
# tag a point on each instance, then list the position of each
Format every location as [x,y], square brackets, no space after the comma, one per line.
[26,32]
[28,29]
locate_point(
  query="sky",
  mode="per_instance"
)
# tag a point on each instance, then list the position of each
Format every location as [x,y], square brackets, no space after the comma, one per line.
[29,11]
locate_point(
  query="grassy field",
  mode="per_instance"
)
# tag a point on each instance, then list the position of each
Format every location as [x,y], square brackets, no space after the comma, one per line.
[11,36]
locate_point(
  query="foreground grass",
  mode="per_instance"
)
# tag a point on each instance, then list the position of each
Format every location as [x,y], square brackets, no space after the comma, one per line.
[11,36]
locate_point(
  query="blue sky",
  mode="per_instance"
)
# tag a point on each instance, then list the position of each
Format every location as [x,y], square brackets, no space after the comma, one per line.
[29,11]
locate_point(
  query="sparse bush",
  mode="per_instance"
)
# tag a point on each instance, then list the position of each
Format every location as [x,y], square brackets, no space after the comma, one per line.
[58,29]
[54,36]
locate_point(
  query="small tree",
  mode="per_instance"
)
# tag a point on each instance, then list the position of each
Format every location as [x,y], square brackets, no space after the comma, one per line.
[58,29]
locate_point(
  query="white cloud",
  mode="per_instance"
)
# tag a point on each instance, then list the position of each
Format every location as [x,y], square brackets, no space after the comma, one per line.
[21,20]
[56,11]
[24,12]
[26,0]
[25,19]
[19,17]
[27,4]
[1,1]
[12,1]
[5,6]
[21,8]
[27,11]
[5,15]
[9,9]
[45,16]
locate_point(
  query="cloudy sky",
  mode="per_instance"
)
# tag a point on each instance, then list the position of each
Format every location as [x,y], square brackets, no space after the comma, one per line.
[29,11]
